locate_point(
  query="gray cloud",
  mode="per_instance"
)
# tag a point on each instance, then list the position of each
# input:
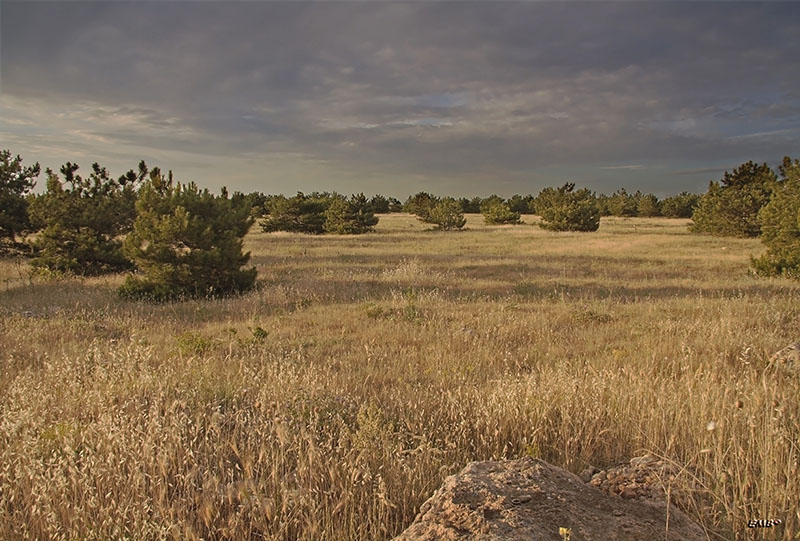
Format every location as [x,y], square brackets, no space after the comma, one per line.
[449,97]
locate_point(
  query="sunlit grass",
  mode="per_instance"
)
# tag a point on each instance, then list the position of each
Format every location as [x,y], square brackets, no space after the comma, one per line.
[330,403]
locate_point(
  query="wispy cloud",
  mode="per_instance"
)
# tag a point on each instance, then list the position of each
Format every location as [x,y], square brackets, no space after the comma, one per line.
[629,167]
[764,134]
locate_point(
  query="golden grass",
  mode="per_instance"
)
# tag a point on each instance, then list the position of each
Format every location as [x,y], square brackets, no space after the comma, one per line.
[333,401]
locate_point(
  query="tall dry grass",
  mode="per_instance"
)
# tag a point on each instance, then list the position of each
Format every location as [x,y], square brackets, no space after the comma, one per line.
[333,401]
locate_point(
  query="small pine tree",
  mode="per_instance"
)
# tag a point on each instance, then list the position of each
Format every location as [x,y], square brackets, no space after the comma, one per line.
[351,217]
[82,219]
[521,204]
[253,200]
[780,225]
[15,183]
[565,209]
[470,206]
[299,214]
[499,213]
[186,243]
[679,206]
[447,215]
[648,205]
[379,204]
[420,205]
[602,204]
[395,205]
[730,207]
[621,203]
[491,201]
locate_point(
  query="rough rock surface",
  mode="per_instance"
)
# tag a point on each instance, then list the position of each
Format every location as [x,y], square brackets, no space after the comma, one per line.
[530,499]
[644,478]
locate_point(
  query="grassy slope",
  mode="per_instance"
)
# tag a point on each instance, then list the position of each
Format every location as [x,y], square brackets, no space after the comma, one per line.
[389,361]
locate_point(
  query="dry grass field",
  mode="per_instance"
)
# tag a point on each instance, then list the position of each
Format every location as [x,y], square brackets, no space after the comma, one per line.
[332,402]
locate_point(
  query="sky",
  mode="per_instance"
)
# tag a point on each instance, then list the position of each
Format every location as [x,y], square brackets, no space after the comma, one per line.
[453,98]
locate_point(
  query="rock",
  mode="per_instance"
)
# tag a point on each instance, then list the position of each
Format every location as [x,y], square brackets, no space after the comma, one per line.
[530,499]
[647,478]
[587,474]
[642,461]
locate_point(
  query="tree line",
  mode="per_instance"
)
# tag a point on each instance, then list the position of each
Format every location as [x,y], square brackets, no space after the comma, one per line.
[181,241]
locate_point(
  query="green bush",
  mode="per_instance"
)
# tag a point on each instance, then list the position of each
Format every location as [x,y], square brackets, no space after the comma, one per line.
[299,214]
[15,182]
[82,220]
[602,204]
[680,206]
[565,209]
[447,215]
[648,205]
[186,243]
[491,201]
[499,213]
[621,203]
[384,205]
[380,204]
[730,207]
[521,204]
[470,206]
[780,225]
[350,217]
[420,205]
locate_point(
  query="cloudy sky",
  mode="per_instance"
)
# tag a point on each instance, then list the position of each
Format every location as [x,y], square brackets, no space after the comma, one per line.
[460,98]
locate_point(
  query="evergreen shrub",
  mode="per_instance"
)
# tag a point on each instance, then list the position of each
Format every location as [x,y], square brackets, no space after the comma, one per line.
[186,242]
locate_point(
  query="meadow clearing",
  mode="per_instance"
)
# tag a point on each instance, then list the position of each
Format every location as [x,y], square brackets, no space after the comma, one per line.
[331,402]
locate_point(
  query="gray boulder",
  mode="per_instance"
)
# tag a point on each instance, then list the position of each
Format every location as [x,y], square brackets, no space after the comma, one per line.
[529,499]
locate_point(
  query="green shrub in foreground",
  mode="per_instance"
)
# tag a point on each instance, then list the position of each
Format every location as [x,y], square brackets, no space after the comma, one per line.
[186,243]
[15,182]
[82,220]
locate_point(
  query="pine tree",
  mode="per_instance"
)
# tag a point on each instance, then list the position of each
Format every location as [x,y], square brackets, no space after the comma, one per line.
[420,205]
[470,206]
[521,204]
[82,219]
[299,214]
[350,217]
[780,225]
[379,204]
[680,206]
[15,182]
[447,215]
[565,209]
[621,203]
[602,204]
[395,205]
[648,205]
[730,207]
[491,201]
[499,213]
[186,243]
